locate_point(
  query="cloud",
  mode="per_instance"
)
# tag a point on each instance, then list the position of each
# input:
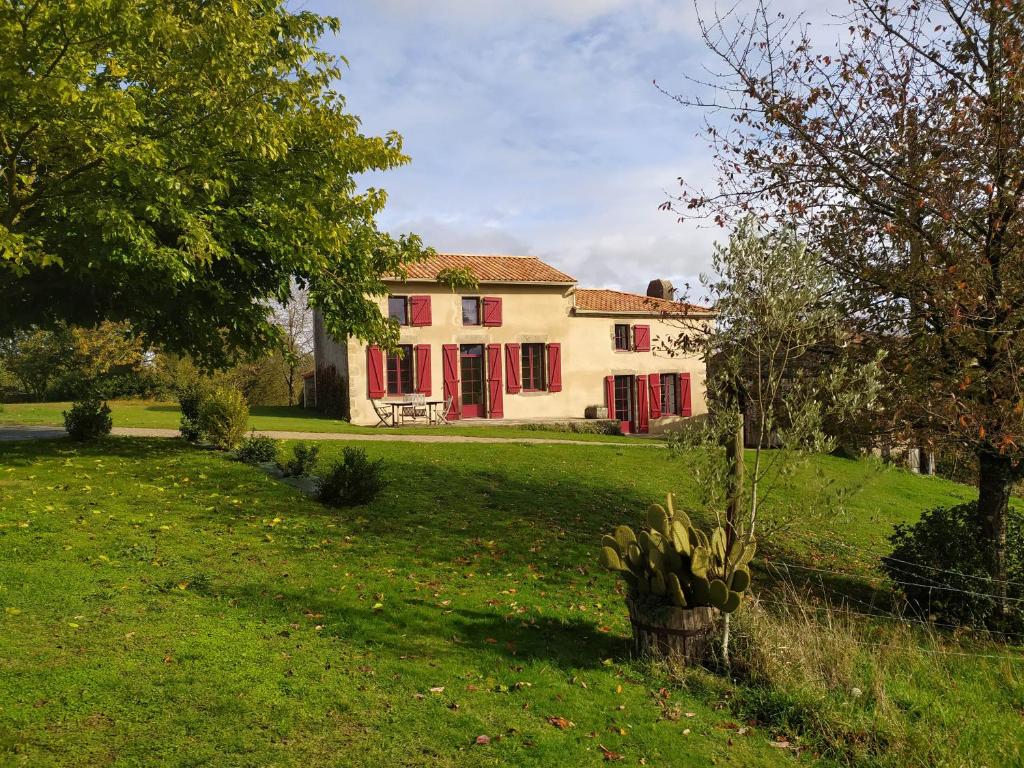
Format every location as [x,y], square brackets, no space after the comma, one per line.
[534,127]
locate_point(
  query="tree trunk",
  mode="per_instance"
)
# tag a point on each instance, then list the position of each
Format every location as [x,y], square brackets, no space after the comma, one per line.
[996,474]
[734,458]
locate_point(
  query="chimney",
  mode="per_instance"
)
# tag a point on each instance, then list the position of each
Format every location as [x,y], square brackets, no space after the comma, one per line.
[661,289]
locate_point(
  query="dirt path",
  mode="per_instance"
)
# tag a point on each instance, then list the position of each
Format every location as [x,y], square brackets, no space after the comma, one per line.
[25,432]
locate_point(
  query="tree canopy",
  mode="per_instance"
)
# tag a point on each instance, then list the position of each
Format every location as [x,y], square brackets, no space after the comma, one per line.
[176,165]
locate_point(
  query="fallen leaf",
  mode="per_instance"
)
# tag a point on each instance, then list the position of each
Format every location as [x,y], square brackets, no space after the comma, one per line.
[781,744]
[483,739]
[437,689]
[608,754]
[561,723]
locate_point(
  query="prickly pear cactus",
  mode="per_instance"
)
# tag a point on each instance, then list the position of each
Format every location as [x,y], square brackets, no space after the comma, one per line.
[674,563]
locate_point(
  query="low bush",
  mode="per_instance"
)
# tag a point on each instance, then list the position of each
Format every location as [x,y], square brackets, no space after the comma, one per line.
[257,449]
[939,563]
[88,420]
[189,429]
[590,427]
[190,396]
[224,417]
[303,460]
[353,481]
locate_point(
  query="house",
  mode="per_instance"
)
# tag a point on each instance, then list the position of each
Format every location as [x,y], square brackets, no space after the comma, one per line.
[526,344]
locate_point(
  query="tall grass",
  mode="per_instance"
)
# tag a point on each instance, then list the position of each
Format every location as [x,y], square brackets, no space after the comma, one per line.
[870,691]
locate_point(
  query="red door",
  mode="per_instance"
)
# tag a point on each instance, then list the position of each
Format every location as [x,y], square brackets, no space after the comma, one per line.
[471,365]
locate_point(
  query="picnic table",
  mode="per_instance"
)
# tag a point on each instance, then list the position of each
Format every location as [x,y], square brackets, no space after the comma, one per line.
[394,412]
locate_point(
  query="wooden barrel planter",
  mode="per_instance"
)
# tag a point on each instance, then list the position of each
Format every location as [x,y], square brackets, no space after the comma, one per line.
[681,635]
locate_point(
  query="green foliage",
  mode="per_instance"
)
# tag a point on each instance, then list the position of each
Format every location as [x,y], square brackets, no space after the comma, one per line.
[940,565]
[258,449]
[303,460]
[158,160]
[88,420]
[353,481]
[673,563]
[588,427]
[190,393]
[224,417]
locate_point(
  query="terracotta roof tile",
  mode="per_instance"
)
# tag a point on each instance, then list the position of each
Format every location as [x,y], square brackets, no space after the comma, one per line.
[490,269]
[605,300]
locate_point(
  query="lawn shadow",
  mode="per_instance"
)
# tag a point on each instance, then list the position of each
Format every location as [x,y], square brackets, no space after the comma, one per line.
[417,628]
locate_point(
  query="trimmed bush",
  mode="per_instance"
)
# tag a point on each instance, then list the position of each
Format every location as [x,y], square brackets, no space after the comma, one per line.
[224,417]
[303,461]
[592,427]
[88,420]
[190,400]
[939,565]
[189,429]
[257,449]
[352,481]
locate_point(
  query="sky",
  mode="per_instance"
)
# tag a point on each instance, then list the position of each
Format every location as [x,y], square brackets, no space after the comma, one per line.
[535,128]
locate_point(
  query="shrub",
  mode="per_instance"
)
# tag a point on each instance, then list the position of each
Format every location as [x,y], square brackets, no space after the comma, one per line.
[592,427]
[189,429]
[352,481]
[88,420]
[190,396]
[257,449]
[940,565]
[224,417]
[303,461]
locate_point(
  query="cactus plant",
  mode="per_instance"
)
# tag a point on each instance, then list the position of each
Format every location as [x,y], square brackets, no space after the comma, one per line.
[673,563]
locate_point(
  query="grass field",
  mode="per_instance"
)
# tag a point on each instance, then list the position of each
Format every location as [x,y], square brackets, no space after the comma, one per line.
[161,415]
[163,605]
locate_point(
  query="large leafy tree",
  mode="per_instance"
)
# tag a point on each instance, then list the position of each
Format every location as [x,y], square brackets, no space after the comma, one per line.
[899,155]
[177,164]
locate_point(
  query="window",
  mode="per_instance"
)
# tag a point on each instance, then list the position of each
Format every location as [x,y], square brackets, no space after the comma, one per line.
[400,371]
[622,337]
[669,389]
[398,309]
[470,310]
[533,367]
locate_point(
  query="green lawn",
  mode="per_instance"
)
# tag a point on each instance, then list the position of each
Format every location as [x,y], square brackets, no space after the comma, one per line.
[163,605]
[161,415]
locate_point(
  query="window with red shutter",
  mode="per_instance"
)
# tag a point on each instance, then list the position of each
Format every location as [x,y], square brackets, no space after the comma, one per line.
[513,380]
[450,371]
[375,383]
[423,373]
[654,384]
[492,311]
[494,394]
[554,367]
[609,395]
[642,338]
[419,310]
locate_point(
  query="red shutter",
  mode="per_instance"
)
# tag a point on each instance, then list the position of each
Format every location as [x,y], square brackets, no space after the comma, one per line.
[642,338]
[685,408]
[423,369]
[375,382]
[450,366]
[513,377]
[554,367]
[642,423]
[419,309]
[492,311]
[609,395]
[654,382]
[494,400]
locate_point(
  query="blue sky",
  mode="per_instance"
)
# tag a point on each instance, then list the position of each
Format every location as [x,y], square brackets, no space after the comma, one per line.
[534,127]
